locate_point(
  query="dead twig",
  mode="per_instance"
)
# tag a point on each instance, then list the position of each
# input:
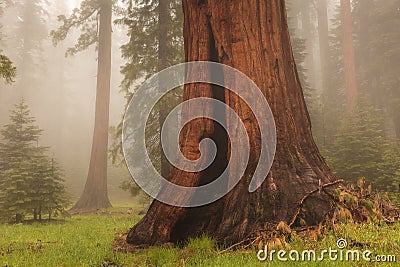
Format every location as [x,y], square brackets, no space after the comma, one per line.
[308,195]
[254,241]
[237,244]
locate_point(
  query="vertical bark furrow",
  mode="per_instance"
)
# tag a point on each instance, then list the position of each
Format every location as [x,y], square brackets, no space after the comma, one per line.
[251,36]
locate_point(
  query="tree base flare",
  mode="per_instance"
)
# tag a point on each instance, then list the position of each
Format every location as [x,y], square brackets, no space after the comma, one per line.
[253,38]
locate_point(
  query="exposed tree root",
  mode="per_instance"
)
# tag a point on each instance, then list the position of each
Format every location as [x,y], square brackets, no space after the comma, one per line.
[354,205]
[320,187]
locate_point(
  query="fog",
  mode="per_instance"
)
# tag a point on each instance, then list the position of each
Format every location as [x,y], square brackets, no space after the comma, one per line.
[61,92]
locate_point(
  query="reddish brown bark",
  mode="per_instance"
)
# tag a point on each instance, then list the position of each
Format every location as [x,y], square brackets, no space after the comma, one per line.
[95,194]
[251,36]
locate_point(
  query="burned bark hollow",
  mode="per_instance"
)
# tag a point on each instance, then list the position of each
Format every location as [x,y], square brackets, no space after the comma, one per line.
[251,36]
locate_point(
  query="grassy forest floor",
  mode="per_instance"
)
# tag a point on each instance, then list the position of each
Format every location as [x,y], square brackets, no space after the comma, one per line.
[87,240]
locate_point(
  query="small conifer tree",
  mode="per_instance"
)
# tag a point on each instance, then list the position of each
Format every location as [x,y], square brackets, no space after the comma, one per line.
[30,182]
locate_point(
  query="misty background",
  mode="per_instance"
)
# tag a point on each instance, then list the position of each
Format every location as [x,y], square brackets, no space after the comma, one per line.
[61,91]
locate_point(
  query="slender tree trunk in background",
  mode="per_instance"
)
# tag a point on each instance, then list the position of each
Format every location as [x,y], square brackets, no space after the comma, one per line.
[323,36]
[163,26]
[348,55]
[95,194]
[253,37]
[363,55]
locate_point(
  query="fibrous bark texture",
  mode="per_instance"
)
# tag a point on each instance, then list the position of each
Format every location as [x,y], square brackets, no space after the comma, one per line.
[251,36]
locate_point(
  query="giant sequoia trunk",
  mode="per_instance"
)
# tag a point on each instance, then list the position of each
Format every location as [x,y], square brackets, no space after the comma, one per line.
[95,195]
[251,36]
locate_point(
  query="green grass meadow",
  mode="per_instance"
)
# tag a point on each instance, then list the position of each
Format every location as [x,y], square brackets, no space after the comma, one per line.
[86,240]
